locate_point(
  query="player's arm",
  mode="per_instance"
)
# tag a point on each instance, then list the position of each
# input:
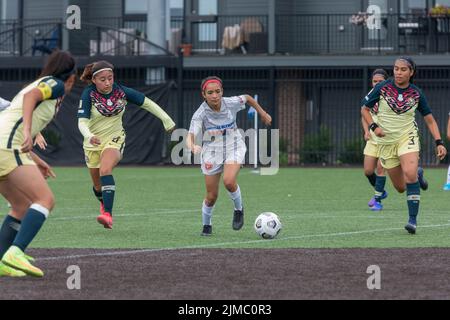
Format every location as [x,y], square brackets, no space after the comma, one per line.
[190,144]
[365,127]
[157,111]
[147,104]
[43,166]
[448,128]
[84,117]
[368,103]
[265,117]
[30,100]
[431,123]
[49,88]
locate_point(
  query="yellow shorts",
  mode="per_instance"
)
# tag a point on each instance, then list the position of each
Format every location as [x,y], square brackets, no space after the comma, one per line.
[93,157]
[11,159]
[390,154]
[371,149]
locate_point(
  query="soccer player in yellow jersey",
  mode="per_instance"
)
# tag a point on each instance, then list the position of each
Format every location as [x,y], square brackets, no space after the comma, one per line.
[22,173]
[397,133]
[371,161]
[100,114]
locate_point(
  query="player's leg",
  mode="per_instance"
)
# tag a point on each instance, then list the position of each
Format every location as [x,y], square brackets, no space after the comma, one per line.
[97,187]
[29,181]
[212,193]
[447,184]
[108,161]
[11,225]
[410,164]
[230,173]
[377,181]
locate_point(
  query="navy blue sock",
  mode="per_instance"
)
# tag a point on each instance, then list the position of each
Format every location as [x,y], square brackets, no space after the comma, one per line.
[108,190]
[31,225]
[379,187]
[372,179]
[98,194]
[8,233]
[413,194]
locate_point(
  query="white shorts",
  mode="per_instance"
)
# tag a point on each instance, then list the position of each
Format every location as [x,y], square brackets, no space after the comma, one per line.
[213,159]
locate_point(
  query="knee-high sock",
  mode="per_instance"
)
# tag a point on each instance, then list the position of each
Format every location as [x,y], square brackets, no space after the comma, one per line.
[31,225]
[448,175]
[207,214]
[8,233]
[413,194]
[236,198]
[372,179]
[379,187]
[108,191]
[98,194]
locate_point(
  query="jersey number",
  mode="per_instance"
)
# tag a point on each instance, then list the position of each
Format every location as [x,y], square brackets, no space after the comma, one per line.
[116,139]
[411,141]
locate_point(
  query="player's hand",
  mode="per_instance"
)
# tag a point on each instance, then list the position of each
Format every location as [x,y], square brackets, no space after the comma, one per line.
[40,141]
[196,149]
[266,119]
[379,132]
[367,136]
[45,169]
[441,152]
[27,144]
[95,141]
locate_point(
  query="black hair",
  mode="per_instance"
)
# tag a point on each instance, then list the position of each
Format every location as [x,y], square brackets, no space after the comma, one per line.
[381,72]
[411,64]
[60,64]
[209,79]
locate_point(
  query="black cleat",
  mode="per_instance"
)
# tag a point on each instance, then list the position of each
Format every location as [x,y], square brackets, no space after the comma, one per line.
[411,228]
[238,219]
[423,183]
[207,230]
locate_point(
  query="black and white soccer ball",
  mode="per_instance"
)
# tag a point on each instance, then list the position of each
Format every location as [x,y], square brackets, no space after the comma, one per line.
[268,225]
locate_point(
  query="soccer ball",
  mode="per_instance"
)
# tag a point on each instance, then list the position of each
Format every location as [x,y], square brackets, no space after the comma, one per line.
[267,225]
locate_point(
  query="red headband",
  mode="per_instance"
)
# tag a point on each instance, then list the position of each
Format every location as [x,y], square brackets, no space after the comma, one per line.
[211,81]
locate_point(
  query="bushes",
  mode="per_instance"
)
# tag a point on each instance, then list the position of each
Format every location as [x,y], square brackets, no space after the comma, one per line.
[316,147]
[353,152]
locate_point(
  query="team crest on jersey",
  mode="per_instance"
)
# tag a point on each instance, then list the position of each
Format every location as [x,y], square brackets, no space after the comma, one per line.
[400,102]
[111,106]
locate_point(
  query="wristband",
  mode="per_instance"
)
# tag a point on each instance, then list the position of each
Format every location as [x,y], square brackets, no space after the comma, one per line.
[373,126]
[439,142]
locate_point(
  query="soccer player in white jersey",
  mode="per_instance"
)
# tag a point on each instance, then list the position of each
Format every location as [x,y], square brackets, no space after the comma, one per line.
[102,106]
[22,173]
[396,131]
[223,147]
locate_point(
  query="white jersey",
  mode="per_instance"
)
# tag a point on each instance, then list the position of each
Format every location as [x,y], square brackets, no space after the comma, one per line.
[218,128]
[4,104]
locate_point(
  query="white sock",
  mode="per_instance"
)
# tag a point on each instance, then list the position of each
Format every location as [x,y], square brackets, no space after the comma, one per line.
[448,175]
[207,214]
[237,199]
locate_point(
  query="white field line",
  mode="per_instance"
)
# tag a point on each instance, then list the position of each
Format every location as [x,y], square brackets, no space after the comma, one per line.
[324,235]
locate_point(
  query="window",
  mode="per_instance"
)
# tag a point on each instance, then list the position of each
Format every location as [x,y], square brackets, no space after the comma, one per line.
[136,6]
[9,9]
[207,7]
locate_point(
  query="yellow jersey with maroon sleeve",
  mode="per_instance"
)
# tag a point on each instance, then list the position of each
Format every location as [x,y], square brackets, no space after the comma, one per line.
[11,119]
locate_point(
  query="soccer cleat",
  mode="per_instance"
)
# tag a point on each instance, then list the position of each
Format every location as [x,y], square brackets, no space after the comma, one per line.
[446,187]
[6,271]
[411,228]
[207,230]
[106,220]
[29,258]
[378,206]
[372,201]
[238,219]
[16,259]
[423,183]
